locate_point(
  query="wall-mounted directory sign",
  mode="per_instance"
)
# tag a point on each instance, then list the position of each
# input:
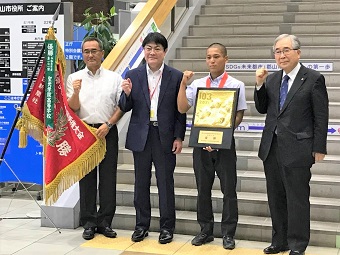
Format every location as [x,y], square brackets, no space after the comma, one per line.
[23,27]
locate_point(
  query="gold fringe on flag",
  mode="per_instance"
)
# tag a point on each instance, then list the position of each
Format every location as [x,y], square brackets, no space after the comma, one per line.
[22,137]
[72,173]
[29,125]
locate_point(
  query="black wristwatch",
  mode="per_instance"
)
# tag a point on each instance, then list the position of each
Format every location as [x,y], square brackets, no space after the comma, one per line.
[109,124]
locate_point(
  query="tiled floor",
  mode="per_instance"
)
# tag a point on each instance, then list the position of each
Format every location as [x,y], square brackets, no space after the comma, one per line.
[25,237]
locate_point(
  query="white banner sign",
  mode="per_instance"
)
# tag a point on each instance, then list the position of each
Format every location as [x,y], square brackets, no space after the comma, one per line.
[135,55]
[252,66]
[256,127]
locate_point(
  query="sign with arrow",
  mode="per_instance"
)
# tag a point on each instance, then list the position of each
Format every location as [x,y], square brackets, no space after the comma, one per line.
[258,127]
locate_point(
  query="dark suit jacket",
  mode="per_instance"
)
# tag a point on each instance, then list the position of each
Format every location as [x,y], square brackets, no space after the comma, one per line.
[301,124]
[171,123]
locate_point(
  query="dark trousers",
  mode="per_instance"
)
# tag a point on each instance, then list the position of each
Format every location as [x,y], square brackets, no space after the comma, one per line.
[288,197]
[89,216]
[164,165]
[223,162]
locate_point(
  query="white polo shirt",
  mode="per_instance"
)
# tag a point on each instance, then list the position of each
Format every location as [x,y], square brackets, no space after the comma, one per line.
[231,82]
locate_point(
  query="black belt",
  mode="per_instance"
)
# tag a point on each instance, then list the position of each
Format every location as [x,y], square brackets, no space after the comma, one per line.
[95,125]
[154,123]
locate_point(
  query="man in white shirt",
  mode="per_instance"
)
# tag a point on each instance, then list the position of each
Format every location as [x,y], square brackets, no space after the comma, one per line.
[207,160]
[93,93]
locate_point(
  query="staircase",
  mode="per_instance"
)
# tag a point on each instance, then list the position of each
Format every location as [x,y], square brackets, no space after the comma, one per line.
[248,29]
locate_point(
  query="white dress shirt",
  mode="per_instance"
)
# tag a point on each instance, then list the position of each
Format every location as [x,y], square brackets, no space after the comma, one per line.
[99,94]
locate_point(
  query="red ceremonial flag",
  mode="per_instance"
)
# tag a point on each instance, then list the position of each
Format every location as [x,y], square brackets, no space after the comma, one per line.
[71,148]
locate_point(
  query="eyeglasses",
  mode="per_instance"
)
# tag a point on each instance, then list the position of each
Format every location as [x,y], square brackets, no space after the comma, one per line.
[285,51]
[93,52]
[155,49]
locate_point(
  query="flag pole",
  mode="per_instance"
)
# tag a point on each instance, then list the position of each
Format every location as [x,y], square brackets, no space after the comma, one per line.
[18,109]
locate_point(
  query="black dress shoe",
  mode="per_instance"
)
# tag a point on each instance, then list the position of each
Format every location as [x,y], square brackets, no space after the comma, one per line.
[274,249]
[165,236]
[228,242]
[139,234]
[297,253]
[88,233]
[202,238]
[107,231]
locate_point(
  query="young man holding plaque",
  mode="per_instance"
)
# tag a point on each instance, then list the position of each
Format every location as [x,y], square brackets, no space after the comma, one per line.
[207,160]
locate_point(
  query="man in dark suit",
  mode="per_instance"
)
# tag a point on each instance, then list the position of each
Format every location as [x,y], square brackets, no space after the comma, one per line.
[155,134]
[294,137]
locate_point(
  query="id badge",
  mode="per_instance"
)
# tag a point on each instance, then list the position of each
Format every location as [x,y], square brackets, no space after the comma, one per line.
[152,113]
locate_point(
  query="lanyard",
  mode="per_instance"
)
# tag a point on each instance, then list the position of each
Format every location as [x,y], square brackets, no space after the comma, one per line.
[222,82]
[153,92]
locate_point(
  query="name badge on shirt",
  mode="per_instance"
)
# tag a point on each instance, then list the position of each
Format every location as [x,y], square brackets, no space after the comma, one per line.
[152,113]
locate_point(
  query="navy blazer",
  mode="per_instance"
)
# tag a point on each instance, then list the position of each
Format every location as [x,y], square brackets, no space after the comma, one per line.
[302,123]
[171,123]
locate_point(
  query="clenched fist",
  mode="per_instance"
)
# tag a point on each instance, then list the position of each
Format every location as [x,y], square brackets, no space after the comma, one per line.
[76,86]
[127,86]
[187,75]
[261,75]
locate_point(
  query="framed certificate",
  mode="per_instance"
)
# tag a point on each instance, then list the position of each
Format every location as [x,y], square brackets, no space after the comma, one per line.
[213,122]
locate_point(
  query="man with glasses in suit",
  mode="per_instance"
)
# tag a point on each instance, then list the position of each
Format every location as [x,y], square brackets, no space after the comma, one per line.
[155,134]
[294,138]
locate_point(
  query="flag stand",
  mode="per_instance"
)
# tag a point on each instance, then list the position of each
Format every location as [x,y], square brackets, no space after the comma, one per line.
[27,217]
[18,110]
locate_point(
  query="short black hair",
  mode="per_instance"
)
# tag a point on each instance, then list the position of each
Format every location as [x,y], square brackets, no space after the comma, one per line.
[157,38]
[92,38]
[219,46]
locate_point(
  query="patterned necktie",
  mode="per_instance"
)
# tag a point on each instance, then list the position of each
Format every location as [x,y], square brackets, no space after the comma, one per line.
[283,90]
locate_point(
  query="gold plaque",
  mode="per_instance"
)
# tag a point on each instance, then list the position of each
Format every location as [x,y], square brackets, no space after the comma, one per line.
[211,137]
[214,116]
[214,108]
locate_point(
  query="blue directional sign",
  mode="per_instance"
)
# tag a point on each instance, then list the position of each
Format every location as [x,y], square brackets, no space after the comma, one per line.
[72,50]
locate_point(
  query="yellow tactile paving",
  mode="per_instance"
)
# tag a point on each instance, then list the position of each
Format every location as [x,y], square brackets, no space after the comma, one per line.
[207,249]
[135,253]
[153,247]
[102,242]
[245,251]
